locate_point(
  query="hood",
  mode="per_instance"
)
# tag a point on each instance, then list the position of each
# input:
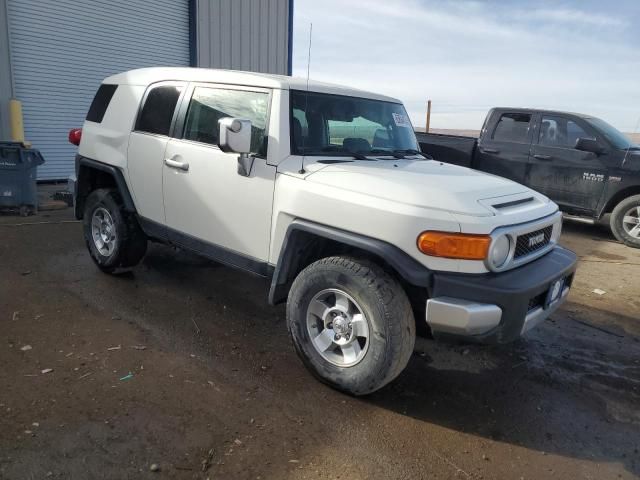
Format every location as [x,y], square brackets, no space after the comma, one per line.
[427,184]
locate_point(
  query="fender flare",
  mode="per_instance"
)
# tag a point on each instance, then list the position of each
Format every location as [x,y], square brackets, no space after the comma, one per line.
[297,236]
[115,172]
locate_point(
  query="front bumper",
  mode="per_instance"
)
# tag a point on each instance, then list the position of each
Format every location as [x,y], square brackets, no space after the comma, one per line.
[499,307]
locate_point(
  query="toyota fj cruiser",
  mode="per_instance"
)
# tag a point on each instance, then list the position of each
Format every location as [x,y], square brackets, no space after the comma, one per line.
[322,189]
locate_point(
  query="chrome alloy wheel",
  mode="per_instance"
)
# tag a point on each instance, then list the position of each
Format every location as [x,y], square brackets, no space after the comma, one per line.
[103,231]
[338,329]
[631,222]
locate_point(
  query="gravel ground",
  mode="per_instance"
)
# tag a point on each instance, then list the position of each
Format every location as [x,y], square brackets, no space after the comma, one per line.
[183,364]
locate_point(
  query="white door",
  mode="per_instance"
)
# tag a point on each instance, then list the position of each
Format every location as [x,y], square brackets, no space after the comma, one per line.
[147,145]
[204,196]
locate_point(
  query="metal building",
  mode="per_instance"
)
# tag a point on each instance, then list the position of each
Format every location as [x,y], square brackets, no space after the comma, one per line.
[55,53]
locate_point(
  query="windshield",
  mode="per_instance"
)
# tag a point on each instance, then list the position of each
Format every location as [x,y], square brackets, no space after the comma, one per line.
[324,124]
[616,137]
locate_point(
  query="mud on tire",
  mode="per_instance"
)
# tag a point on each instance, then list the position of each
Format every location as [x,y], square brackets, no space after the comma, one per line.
[112,235]
[385,307]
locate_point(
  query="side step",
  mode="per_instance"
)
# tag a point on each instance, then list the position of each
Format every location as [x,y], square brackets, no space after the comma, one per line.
[573,218]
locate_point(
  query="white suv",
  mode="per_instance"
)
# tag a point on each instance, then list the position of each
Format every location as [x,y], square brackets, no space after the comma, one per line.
[322,189]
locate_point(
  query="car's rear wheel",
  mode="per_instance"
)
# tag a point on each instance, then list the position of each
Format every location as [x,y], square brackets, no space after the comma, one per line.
[113,236]
[351,324]
[625,221]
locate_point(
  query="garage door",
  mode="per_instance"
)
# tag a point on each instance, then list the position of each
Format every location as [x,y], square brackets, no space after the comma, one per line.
[62,49]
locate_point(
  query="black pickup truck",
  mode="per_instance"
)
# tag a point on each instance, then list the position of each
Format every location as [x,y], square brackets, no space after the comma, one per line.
[581,162]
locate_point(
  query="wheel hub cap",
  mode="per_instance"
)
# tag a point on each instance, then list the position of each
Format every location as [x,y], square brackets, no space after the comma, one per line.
[341,325]
[103,231]
[338,328]
[631,222]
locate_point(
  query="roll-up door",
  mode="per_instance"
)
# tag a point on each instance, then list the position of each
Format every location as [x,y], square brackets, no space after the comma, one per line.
[61,50]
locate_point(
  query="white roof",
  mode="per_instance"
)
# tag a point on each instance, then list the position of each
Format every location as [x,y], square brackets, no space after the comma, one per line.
[146,76]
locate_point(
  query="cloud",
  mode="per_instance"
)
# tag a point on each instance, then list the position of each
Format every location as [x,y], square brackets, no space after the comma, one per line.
[565,15]
[468,56]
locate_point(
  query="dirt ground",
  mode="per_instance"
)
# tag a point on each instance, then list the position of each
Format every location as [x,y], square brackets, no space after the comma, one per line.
[183,364]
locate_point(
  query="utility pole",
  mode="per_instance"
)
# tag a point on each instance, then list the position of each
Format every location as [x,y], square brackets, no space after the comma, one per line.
[428,116]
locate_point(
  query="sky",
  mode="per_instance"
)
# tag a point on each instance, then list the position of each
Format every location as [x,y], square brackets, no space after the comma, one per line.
[468,56]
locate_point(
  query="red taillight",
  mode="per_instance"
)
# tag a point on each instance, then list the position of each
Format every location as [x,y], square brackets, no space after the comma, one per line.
[75,135]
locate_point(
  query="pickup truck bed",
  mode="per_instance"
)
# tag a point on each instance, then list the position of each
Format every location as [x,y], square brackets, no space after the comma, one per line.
[454,149]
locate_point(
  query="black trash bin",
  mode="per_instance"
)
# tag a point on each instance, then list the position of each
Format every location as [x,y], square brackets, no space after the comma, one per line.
[18,166]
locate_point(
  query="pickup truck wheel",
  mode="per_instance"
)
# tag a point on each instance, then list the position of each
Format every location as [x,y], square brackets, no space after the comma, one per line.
[113,236]
[351,324]
[625,221]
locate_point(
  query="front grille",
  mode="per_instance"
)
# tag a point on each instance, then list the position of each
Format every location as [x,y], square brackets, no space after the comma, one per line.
[533,241]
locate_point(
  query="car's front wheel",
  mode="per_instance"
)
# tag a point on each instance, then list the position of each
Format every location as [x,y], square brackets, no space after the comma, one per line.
[625,221]
[113,236]
[351,323]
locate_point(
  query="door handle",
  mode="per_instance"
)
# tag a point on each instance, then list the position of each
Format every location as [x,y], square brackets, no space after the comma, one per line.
[542,157]
[169,162]
[489,150]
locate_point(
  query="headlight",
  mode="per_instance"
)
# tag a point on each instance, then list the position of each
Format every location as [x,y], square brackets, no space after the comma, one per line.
[499,251]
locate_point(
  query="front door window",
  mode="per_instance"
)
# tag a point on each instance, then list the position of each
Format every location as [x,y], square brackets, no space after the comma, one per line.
[560,132]
[209,105]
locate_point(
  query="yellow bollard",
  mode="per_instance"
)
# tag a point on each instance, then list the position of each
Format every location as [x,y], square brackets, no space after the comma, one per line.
[16,125]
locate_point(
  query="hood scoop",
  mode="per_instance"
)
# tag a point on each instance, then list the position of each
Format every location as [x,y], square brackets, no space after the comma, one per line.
[506,204]
[512,203]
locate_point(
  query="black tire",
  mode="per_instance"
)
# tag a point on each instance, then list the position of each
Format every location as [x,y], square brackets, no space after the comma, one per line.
[392,329]
[130,243]
[617,221]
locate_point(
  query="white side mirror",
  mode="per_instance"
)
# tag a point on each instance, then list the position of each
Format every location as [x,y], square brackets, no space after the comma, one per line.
[235,135]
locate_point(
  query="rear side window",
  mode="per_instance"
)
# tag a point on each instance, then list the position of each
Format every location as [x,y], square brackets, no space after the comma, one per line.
[512,127]
[157,112]
[100,102]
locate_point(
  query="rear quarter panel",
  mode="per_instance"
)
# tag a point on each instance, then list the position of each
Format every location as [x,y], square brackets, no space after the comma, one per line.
[107,142]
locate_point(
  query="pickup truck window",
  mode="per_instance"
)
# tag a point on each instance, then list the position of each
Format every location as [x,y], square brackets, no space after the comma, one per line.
[324,124]
[512,127]
[616,137]
[560,132]
[157,112]
[209,105]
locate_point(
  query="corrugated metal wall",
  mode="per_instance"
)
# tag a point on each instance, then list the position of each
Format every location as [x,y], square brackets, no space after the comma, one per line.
[244,35]
[54,53]
[62,49]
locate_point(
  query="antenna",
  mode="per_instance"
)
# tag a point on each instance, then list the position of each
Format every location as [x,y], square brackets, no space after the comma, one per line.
[306,100]
[628,148]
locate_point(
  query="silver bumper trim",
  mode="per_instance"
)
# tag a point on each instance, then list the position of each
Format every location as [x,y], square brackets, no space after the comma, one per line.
[461,317]
[539,314]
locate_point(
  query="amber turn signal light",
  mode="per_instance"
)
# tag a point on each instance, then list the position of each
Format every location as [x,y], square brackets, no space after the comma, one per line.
[454,245]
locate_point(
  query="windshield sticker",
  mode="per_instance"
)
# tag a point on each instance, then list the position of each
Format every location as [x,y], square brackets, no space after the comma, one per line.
[401,120]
